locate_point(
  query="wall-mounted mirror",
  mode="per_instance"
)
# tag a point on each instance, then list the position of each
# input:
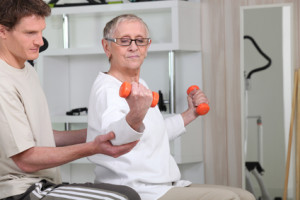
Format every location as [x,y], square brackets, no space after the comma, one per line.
[266,61]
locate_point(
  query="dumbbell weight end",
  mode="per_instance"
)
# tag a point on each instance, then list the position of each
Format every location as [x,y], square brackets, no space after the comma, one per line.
[202,108]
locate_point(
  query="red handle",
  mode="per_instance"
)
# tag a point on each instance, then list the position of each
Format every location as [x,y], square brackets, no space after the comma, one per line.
[202,108]
[125,90]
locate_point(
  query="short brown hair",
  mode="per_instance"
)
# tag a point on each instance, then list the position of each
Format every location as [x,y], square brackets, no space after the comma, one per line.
[12,11]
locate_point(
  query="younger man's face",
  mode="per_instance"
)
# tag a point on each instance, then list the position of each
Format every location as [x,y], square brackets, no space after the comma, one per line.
[24,40]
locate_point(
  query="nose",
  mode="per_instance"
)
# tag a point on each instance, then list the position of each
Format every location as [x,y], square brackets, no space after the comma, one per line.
[133,45]
[39,40]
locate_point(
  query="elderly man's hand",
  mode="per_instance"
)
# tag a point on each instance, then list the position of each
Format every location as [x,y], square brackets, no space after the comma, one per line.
[139,102]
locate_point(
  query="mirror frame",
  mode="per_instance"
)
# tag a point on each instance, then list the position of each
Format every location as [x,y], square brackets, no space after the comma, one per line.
[288,74]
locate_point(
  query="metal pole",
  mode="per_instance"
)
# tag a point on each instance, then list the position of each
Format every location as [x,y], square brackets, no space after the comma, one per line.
[172,82]
[246,125]
[66,31]
[259,137]
[260,141]
[67,126]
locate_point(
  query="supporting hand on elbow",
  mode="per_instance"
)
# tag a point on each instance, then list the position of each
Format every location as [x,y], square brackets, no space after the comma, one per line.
[103,145]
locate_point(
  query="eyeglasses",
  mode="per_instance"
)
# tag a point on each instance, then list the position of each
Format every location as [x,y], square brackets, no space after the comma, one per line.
[127,41]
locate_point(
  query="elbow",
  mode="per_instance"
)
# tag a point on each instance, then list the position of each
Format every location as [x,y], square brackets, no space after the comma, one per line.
[26,168]
[23,164]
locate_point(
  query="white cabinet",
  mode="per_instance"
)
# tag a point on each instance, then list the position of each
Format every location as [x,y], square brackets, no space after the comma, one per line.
[69,66]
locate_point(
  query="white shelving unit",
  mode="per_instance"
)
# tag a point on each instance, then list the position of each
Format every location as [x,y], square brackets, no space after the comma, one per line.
[67,71]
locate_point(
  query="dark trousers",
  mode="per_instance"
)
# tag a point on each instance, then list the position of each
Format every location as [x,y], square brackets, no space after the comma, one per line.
[48,191]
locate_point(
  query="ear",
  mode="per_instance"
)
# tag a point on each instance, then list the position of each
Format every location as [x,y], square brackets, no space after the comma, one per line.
[106,48]
[3,31]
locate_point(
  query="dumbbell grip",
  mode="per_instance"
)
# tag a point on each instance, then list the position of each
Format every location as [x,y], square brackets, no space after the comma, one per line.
[125,90]
[202,108]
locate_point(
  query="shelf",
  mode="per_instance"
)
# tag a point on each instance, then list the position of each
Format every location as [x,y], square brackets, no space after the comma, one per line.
[173,25]
[69,119]
[99,50]
[81,118]
[153,6]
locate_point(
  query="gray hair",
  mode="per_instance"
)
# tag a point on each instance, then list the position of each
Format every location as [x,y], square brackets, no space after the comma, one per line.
[112,25]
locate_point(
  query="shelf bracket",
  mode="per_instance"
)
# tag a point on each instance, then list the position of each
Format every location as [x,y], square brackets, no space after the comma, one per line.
[172,82]
[67,126]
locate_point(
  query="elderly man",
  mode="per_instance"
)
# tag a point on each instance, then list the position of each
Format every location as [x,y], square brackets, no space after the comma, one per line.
[149,168]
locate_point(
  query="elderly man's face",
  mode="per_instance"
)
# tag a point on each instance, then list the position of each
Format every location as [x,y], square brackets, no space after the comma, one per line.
[128,57]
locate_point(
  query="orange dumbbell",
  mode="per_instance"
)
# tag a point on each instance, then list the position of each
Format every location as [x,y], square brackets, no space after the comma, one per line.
[202,108]
[125,90]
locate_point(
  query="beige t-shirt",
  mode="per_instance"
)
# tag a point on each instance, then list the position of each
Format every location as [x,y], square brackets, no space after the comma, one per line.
[24,123]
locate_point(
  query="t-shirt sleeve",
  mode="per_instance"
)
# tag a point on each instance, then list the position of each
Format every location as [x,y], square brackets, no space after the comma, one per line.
[15,132]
